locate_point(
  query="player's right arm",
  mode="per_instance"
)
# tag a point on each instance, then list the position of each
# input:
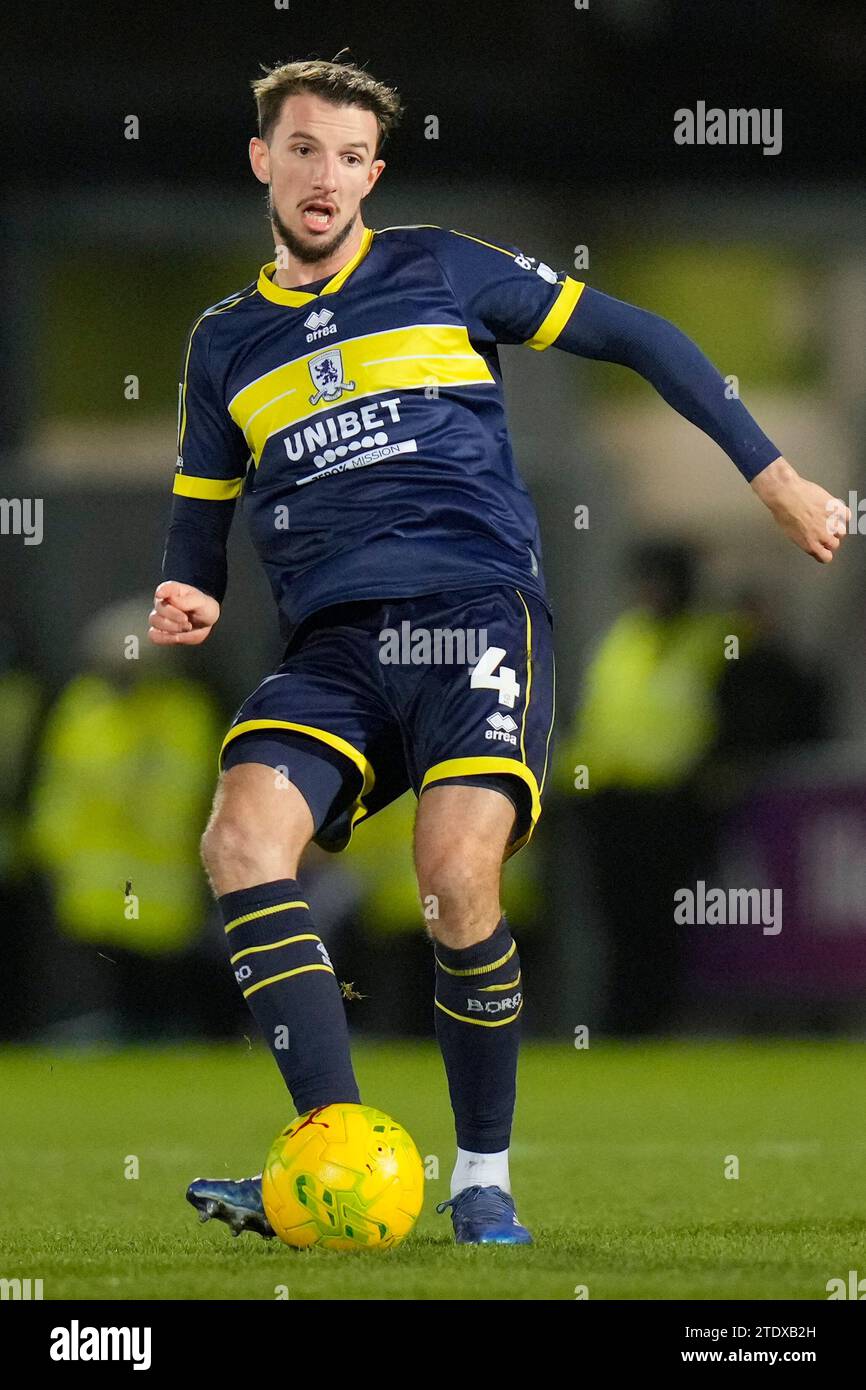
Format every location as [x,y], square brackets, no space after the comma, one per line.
[212,459]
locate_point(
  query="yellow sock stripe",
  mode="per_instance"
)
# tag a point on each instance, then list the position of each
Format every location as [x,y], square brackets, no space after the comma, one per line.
[480,1022]
[272,945]
[299,970]
[480,969]
[509,984]
[265,912]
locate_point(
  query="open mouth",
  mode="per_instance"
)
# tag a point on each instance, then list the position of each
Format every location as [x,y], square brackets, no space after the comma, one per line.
[319,217]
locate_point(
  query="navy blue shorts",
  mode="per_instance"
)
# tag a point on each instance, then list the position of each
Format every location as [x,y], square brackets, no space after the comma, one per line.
[377,696]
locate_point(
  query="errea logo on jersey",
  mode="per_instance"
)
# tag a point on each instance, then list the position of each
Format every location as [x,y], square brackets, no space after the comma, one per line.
[530,263]
[319,321]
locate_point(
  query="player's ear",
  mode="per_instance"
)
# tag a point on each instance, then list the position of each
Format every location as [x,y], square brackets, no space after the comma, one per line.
[373,176]
[260,159]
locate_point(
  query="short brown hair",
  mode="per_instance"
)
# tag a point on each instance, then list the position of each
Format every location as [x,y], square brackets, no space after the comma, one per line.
[344,84]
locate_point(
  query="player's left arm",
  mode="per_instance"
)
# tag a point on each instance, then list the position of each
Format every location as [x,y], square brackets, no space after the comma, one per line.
[516,298]
[610,330]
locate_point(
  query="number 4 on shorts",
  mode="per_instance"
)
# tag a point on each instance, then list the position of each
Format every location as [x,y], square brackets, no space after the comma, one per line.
[505,684]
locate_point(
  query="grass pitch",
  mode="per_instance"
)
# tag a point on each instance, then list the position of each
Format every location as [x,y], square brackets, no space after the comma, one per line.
[618,1168]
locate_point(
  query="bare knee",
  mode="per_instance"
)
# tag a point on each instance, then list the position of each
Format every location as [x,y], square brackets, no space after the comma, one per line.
[460,895]
[231,849]
[258,829]
[460,838]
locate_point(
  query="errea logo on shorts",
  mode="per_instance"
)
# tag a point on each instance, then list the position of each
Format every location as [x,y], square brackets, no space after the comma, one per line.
[502,728]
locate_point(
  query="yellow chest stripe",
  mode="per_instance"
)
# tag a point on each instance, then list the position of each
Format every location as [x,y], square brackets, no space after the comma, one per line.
[398,359]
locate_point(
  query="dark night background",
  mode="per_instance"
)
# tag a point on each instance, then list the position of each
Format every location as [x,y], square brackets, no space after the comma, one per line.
[539,91]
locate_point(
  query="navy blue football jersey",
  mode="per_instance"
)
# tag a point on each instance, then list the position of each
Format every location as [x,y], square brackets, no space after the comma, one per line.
[362,420]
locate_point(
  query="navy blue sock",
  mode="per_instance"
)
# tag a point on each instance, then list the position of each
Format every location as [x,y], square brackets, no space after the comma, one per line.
[286,977]
[479,995]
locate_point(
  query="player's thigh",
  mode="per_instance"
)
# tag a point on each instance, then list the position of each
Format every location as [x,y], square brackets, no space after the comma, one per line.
[260,824]
[461,833]
[321,730]
[485,720]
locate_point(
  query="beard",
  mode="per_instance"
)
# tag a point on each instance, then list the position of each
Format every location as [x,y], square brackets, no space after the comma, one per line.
[304,251]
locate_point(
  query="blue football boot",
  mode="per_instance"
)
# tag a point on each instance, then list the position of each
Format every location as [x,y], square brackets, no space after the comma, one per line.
[239,1203]
[485,1216]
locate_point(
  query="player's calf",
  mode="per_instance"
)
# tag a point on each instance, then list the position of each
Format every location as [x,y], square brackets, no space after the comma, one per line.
[460,840]
[282,966]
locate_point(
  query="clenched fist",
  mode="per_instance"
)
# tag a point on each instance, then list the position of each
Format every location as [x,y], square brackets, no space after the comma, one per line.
[181,613]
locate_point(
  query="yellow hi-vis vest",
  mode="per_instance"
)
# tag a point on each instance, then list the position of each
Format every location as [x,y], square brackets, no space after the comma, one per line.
[20,701]
[118,809]
[648,710]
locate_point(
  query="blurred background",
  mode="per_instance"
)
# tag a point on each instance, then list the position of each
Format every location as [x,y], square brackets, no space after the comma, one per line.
[711,725]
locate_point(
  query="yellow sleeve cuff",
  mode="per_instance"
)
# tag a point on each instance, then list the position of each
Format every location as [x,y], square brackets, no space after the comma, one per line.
[210,489]
[552,325]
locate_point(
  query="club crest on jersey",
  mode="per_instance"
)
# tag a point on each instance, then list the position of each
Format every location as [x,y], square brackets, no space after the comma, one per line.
[320,325]
[327,372]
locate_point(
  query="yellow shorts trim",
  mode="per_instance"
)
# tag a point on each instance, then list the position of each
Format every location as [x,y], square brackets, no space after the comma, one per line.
[467,767]
[528,675]
[333,741]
